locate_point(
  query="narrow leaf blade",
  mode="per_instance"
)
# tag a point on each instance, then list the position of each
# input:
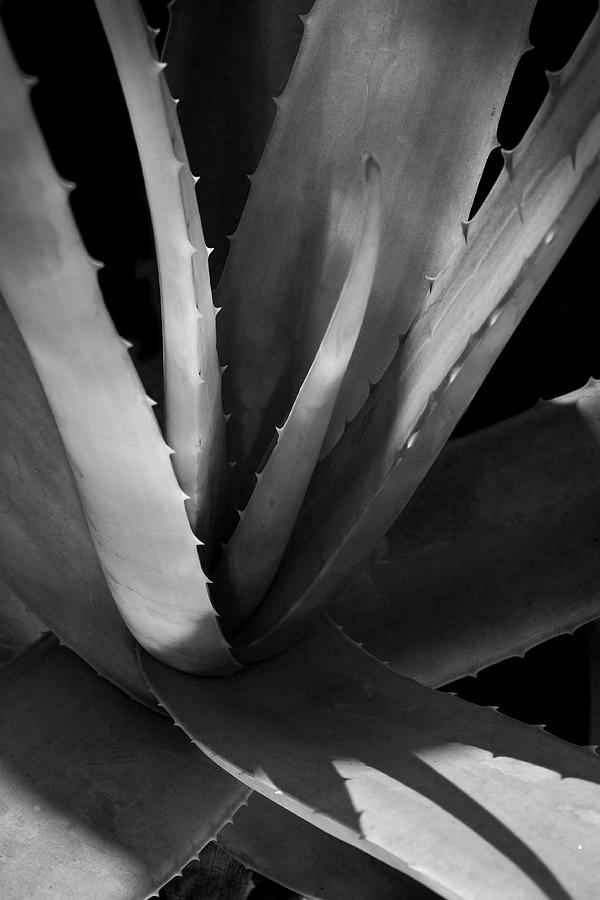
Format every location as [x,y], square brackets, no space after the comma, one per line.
[496,552]
[121,465]
[252,556]
[516,239]
[421,86]
[194,417]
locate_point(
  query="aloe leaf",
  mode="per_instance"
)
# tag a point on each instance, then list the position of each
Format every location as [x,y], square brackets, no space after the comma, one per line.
[287,849]
[122,469]
[421,86]
[464,800]
[195,423]
[495,553]
[47,558]
[100,796]
[519,234]
[251,557]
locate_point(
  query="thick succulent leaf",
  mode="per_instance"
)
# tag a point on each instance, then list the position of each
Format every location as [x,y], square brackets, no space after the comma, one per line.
[287,849]
[419,84]
[122,468]
[100,796]
[468,802]
[251,557]
[548,187]
[496,552]
[225,63]
[195,423]
[47,558]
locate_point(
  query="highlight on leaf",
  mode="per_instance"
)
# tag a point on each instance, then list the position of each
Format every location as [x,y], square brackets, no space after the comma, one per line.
[251,557]
[516,240]
[120,462]
[195,425]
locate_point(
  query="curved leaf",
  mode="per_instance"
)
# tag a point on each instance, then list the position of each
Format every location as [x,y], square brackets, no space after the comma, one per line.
[121,465]
[466,801]
[288,850]
[251,557]
[533,211]
[497,551]
[47,558]
[195,424]
[420,85]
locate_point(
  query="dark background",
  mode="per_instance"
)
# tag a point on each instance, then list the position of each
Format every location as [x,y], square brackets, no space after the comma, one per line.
[78,102]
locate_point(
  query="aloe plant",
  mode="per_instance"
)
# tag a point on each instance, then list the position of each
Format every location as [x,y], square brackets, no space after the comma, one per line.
[361,309]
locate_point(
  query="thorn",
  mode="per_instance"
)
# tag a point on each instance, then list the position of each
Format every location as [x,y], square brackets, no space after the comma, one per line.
[195,179]
[153,31]
[241,513]
[507,156]
[68,186]
[217,310]
[170,450]
[465,228]
[209,250]
[224,368]
[554,82]
[160,65]
[453,373]
[127,344]
[96,263]
[549,237]
[149,400]
[410,442]
[227,416]
[29,81]
[430,279]
[493,318]
[258,476]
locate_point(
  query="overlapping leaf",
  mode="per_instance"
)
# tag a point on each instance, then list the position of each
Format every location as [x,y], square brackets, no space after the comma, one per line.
[122,469]
[466,801]
[251,557]
[550,184]
[420,85]
[100,797]
[496,552]
[195,425]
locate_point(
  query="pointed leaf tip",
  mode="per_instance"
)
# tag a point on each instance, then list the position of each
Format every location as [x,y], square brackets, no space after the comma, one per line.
[257,547]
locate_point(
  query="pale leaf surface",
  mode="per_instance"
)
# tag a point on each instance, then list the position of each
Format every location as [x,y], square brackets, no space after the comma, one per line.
[195,424]
[467,801]
[48,559]
[100,796]
[496,552]
[419,84]
[122,468]
[251,557]
[525,225]
[292,852]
